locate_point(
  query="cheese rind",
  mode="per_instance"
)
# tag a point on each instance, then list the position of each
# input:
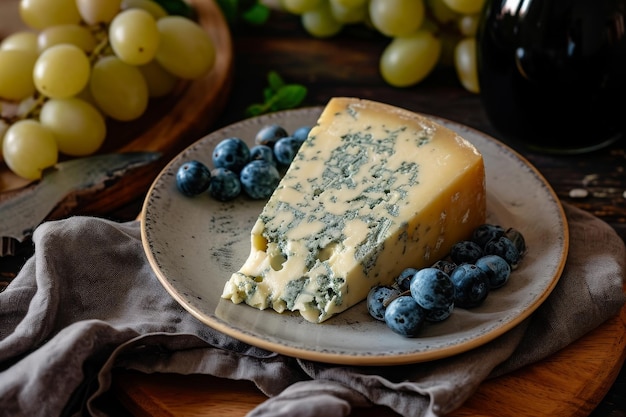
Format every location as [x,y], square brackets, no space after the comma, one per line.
[373,190]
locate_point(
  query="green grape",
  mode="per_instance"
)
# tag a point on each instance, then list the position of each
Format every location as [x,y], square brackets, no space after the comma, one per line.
[134,36]
[68,33]
[40,14]
[407,60]
[98,11]
[397,17]
[441,12]
[28,148]
[185,49]
[78,127]
[468,24]
[118,88]
[23,40]
[347,15]
[352,4]
[465,6]
[16,69]
[320,22]
[61,71]
[465,64]
[155,9]
[300,6]
[160,82]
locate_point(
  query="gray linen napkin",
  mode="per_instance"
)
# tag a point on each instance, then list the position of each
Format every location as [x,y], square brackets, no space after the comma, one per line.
[88,302]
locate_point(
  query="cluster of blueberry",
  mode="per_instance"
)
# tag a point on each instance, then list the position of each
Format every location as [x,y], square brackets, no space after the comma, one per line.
[238,167]
[473,268]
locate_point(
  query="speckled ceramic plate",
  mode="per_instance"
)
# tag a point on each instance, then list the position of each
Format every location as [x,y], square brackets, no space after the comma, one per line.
[194,244]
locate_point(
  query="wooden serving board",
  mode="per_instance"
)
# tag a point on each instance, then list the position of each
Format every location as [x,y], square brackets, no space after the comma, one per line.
[570,383]
[169,125]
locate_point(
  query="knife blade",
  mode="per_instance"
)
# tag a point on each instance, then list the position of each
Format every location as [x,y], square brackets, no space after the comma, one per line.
[22,213]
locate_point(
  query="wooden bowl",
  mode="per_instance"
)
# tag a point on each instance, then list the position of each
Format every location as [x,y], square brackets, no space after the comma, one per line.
[169,125]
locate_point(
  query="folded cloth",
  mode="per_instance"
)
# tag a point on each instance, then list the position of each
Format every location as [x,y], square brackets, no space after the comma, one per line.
[88,302]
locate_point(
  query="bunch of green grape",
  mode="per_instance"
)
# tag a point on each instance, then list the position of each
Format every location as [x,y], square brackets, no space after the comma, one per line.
[423,33]
[81,62]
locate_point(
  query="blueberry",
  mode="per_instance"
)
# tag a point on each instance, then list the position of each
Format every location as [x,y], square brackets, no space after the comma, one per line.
[505,248]
[224,185]
[232,154]
[377,297]
[465,251]
[517,238]
[485,232]
[439,314]
[432,289]
[471,285]
[269,134]
[404,316]
[259,179]
[404,279]
[193,178]
[263,153]
[286,149]
[497,269]
[301,133]
[445,266]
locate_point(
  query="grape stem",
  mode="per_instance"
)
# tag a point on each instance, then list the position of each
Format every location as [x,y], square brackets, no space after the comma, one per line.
[100,32]
[34,110]
[31,113]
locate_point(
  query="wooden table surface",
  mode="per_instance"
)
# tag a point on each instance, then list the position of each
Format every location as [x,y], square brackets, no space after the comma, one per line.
[348,66]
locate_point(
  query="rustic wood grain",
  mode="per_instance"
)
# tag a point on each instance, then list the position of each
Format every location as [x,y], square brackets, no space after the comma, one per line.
[569,383]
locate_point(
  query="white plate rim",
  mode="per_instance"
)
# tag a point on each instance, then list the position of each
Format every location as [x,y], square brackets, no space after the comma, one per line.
[319,353]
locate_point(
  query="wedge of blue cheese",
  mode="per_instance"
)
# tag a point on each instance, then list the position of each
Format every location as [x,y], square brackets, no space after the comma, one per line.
[373,190]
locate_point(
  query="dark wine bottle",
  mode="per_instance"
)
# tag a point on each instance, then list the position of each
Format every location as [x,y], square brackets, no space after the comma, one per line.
[552,73]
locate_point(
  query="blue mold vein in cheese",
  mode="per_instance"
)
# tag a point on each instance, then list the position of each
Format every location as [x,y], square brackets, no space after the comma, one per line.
[373,190]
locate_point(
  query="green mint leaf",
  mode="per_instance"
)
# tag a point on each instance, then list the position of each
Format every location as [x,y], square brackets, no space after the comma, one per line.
[257,14]
[236,12]
[255,110]
[278,96]
[229,10]
[275,81]
[268,93]
[288,97]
